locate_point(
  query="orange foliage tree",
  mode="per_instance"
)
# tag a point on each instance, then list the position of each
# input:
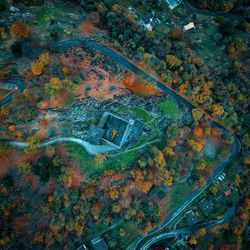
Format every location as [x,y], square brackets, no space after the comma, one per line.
[19,30]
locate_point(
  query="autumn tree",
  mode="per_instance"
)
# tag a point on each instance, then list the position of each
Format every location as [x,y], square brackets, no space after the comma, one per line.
[99,158]
[54,86]
[177,34]
[192,240]
[213,189]
[19,30]
[172,61]
[25,167]
[197,114]
[202,232]
[236,46]
[33,144]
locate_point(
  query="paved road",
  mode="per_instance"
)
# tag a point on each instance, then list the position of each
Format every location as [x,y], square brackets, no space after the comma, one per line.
[90,148]
[125,63]
[213,13]
[189,230]
[14,84]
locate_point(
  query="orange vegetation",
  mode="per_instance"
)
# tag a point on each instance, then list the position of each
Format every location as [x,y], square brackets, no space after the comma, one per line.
[12,127]
[87,27]
[198,132]
[19,30]
[77,177]
[21,222]
[140,86]
[215,133]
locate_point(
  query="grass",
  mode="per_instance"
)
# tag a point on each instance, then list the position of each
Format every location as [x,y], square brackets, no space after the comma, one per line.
[178,195]
[88,165]
[170,108]
[209,161]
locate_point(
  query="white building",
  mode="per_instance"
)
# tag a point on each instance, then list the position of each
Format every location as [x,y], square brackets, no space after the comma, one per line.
[189,26]
[173,3]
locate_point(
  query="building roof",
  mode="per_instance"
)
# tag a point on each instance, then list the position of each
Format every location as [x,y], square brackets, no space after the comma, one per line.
[148,18]
[191,218]
[116,129]
[189,26]
[173,3]
[99,244]
[228,192]
[95,134]
[205,206]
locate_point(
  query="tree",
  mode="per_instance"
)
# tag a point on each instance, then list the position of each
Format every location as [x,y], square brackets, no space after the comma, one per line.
[33,144]
[192,240]
[196,145]
[177,34]
[172,61]
[122,232]
[198,132]
[36,68]
[202,232]
[236,46]
[116,208]
[113,193]
[19,30]
[197,114]
[213,189]
[200,165]
[217,110]
[54,86]
[99,158]
[25,167]
[50,151]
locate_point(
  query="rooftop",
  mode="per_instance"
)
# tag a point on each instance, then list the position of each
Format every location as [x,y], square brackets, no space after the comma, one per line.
[191,218]
[99,244]
[205,206]
[173,3]
[116,129]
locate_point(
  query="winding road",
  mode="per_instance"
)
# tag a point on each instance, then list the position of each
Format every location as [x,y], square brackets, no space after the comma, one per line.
[145,241]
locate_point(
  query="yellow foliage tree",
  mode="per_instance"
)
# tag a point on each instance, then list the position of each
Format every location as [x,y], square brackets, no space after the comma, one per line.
[202,232]
[172,61]
[99,158]
[113,193]
[217,110]
[196,145]
[197,114]
[33,144]
[213,189]
[25,167]
[116,208]
[53,86]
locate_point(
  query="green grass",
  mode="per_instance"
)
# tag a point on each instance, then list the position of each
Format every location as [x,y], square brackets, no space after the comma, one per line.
[209,161]
[178,195]
[170,108]
[88,165]
[85,160]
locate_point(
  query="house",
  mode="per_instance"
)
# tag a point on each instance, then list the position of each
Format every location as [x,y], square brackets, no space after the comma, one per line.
[228,193]
[191,218]
[205,206]
[173,3]
[99,244]
[149,21]
[189,26]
